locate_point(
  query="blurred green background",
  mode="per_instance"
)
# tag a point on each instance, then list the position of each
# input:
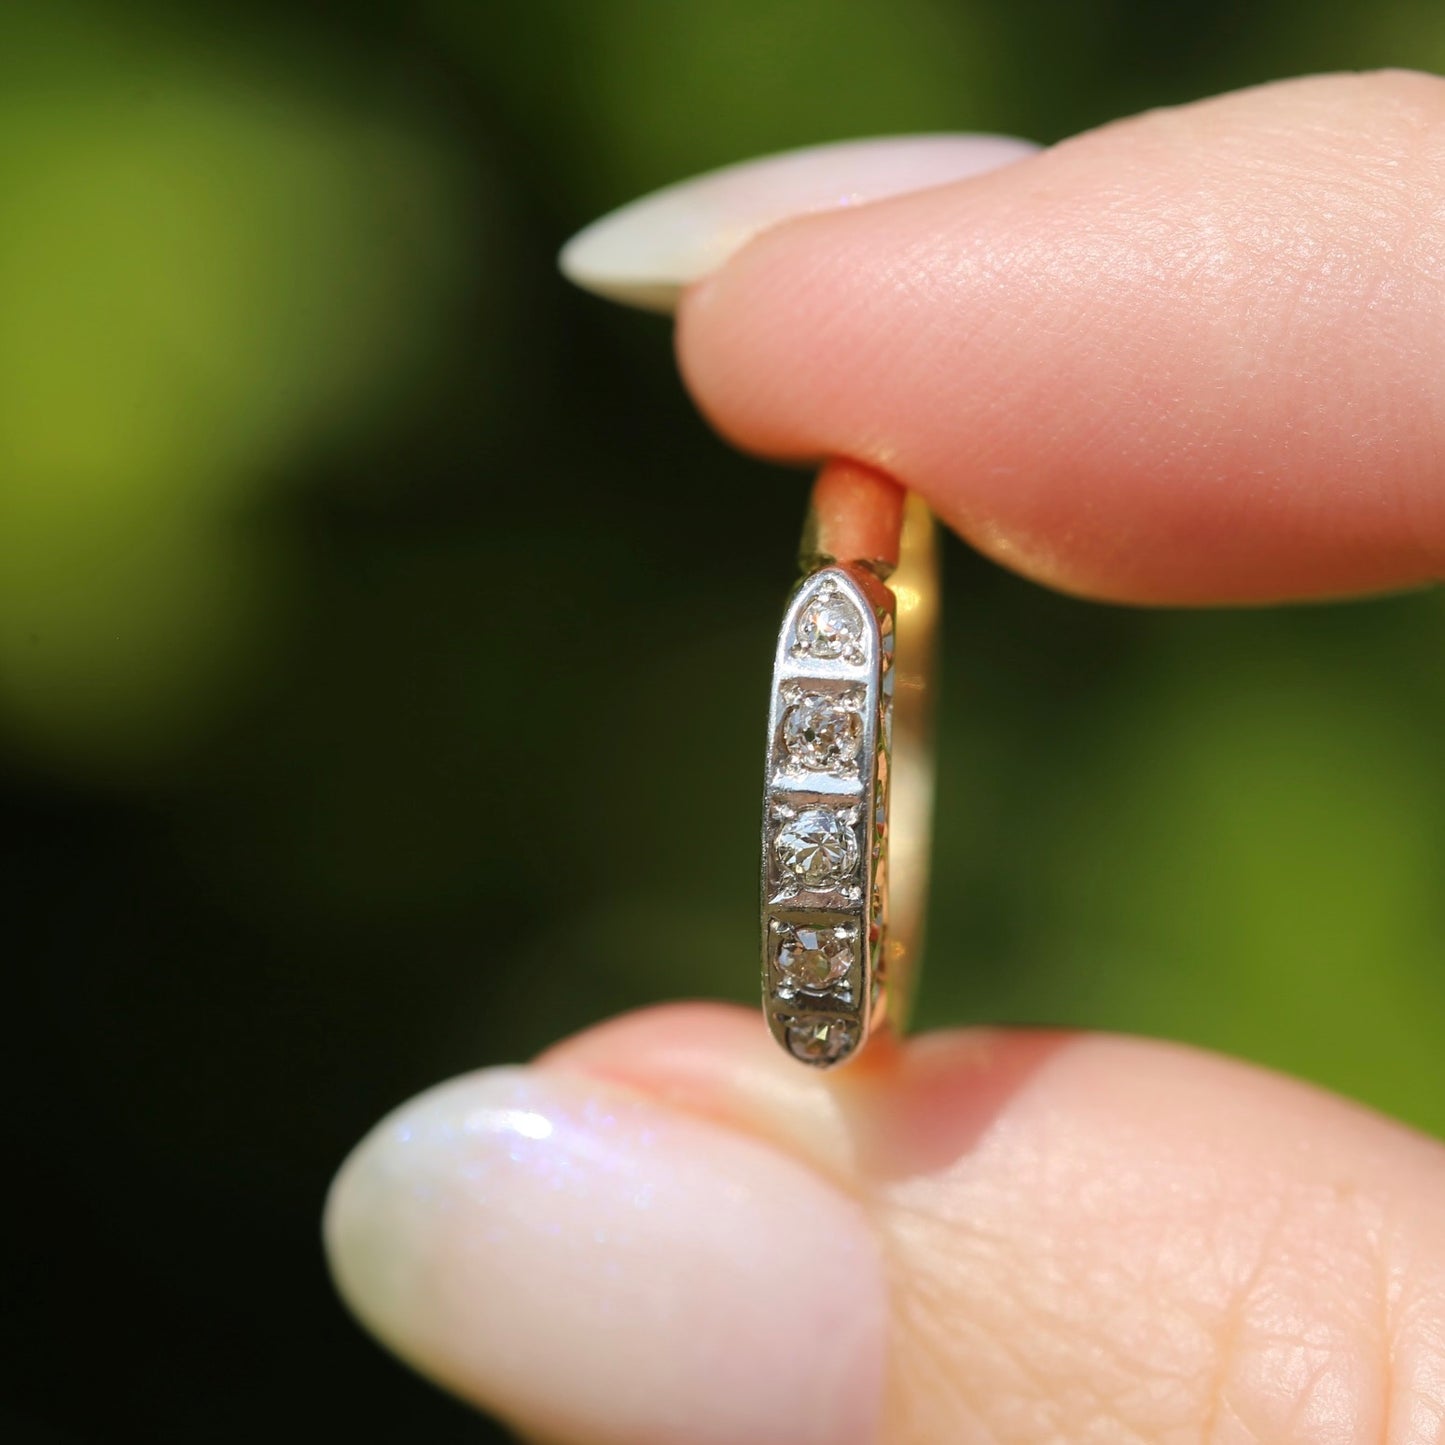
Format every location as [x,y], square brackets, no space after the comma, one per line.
[331,522]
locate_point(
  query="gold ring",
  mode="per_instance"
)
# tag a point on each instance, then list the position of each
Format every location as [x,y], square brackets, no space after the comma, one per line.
[848,785]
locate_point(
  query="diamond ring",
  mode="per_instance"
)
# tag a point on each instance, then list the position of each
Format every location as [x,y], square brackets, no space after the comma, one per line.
[848,786]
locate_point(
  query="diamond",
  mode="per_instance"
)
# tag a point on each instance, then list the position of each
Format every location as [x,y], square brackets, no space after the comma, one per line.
[822,1041]
[830,625]
[817,847]
[814,959]
[822,732]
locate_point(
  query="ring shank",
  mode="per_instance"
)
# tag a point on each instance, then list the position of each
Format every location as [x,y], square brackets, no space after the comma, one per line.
[910,809]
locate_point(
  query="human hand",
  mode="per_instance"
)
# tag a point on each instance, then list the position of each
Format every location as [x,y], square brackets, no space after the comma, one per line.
[1194,357]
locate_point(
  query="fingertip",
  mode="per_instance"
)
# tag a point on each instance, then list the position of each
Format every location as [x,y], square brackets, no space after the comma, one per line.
[596,1267]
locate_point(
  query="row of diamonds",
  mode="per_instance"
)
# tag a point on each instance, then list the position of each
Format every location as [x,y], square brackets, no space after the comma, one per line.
[817,964]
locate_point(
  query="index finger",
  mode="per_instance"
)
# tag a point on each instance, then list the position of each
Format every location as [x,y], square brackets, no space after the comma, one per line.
[1194,357]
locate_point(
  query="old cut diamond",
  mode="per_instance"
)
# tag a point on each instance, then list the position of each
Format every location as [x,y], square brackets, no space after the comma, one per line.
[830,626]
[822,732]
[817,847]
[822,1041]
[814,958]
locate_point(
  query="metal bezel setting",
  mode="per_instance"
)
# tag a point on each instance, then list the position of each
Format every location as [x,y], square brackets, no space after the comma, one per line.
[825,1026]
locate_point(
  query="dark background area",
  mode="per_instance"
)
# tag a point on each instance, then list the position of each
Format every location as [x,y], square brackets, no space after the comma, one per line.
[376,616]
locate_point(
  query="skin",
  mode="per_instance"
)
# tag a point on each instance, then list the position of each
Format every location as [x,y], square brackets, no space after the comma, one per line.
[1102,1239]
[1193,357]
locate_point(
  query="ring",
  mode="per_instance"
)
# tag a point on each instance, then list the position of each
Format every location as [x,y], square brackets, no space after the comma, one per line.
[848,785]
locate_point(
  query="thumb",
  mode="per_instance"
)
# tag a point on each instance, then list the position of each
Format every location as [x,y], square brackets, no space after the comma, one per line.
[665,1232]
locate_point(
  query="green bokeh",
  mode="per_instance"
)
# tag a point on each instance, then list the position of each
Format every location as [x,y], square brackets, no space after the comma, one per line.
[332,526]
[208,264]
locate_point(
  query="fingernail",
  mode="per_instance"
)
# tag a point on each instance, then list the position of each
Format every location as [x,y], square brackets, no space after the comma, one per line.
[594,1267]
[645,253]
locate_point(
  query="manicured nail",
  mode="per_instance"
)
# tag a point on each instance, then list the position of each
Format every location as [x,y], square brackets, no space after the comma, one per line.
[645,253]
[593,1267]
